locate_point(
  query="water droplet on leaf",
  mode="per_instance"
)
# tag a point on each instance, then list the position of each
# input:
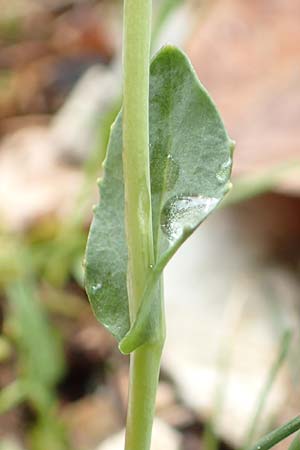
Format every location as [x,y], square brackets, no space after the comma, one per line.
[185,213]
[96,287]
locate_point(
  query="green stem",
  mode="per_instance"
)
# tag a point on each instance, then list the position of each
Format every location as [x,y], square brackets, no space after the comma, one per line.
[144,373]
[277,435]
[145,361]
[276,366]
[138,217]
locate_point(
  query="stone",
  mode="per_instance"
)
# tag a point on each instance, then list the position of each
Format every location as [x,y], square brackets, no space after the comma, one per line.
[227,307]
[91,419]
[163,437]
[246,54]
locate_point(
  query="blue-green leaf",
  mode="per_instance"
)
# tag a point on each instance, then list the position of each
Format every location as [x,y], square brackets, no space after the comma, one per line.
[106,254]
[191,159]
[191,153]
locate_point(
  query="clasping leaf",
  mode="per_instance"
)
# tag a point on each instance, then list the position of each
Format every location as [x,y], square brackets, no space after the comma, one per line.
[191,160]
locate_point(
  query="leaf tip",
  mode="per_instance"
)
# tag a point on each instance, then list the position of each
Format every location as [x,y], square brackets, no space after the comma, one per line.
[232,145]
[125,347]
[169,50]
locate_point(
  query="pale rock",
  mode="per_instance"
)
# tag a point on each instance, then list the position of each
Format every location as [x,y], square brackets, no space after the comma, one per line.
[74,128]
[32,183]
[163,437]
[227,307]
[91,419]
[246,55]
[177,26]
[38,176]
[10,443]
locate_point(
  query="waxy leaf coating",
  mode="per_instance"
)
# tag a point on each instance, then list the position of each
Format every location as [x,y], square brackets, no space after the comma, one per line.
[191,160]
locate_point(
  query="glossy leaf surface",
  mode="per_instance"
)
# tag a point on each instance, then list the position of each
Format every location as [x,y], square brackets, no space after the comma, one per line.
[190,155]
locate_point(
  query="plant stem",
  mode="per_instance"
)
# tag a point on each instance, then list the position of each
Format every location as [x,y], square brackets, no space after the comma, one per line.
[145,361]
[144,372]
[276,366]
[277,435]
[138,217]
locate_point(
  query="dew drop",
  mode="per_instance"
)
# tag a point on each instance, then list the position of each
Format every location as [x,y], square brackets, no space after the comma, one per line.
[185,213]
[169,156]
[151,266]
[96,287]
[224,172]
[94,208]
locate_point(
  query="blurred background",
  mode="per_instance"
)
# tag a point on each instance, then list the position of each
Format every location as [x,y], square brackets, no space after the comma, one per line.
[231,365]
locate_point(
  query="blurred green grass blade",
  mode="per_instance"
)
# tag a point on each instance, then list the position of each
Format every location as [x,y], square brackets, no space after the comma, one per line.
[295,444]
[276,366]
[165,9]
[250,186]
[48,434]
[5,349]
[209,438]
[12,395]
[40,348]
[277,435]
